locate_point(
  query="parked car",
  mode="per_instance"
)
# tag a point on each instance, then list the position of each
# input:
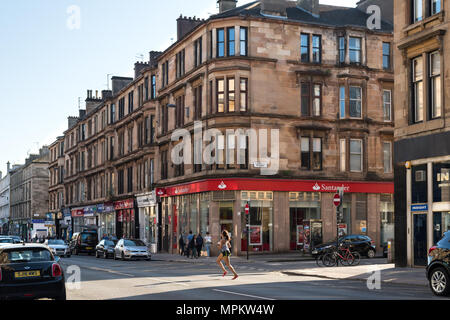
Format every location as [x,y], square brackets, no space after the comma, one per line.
[6,241]
[58,247]
[15,238]
[105,248]
[131,248]
[83,242]
[362,244]
[438,267]
[30,271]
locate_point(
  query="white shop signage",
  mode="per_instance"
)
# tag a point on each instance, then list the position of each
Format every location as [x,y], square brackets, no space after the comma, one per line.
[146,200]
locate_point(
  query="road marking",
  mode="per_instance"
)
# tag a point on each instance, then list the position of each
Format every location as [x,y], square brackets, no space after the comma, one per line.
[162,280]
[110,271]
[245,295]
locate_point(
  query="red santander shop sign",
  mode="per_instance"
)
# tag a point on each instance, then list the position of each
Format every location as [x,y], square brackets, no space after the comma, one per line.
[276,185]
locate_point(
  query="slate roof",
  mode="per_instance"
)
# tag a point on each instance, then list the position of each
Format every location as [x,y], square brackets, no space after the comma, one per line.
[329,16]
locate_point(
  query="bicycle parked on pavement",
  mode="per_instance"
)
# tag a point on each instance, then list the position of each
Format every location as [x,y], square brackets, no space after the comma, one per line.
[342,255]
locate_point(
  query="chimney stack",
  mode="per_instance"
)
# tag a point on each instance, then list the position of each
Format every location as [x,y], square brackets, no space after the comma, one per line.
[274,7]
[118,83]
[8,166]
[311,6]
[186,25]
[91,101]
[225,5]
[154,58]
[138,67]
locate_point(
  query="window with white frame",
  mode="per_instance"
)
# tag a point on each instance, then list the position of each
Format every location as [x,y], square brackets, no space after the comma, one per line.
[435,85]
[417,87]
[356,155]
[387,157]
[355,110]
[343,154]
[387,103]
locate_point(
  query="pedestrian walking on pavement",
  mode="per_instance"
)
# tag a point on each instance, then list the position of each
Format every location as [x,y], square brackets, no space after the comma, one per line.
[225,253]
[199,245]
[208,242]
[181,244]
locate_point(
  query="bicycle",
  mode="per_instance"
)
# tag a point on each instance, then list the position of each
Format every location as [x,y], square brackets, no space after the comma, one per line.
[342,254]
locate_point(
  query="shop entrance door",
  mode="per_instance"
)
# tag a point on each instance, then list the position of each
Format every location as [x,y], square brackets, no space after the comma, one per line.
[420,239]
[226,217]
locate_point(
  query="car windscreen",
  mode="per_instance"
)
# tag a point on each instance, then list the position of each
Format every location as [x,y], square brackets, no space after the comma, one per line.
[134,243]
[88,237]
[25,255]
[109,243]
[56,242]
[6,240]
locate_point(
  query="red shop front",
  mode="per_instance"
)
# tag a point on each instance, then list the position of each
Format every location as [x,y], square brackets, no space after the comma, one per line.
[126,223]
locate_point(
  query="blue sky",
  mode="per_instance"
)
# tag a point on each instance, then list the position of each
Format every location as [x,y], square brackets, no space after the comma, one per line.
[46,66]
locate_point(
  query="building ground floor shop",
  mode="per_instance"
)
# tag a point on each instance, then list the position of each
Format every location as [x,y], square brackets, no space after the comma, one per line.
[117,219]
[284,215]
[422,196]
[427,206]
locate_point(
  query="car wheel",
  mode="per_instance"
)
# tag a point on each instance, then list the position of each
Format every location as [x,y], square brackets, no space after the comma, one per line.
[440,282]
[123,257]
[105,255]
[114,256]
[371,253]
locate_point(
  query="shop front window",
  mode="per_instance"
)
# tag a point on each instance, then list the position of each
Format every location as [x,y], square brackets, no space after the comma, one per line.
[204,213]
[150,225]
[387,218]
[441,182]
[194,211]
[345,224]
[305,223]
[182,211]
[419,184]
[441,224]
[261,221]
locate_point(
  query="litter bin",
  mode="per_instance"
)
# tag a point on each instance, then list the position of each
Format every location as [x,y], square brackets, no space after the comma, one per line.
[153,248]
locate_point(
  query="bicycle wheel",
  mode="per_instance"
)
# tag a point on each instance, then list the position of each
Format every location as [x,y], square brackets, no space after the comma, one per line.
[348,259]
[357,258]
[319,260]
[329,260]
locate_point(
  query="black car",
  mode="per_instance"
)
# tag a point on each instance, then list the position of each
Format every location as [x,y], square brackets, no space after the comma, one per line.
[30,271]
[105,248]
[438,268]
[362,244]
[84,242]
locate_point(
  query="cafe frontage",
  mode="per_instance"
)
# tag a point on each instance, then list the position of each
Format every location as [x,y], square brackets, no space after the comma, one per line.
[284,215]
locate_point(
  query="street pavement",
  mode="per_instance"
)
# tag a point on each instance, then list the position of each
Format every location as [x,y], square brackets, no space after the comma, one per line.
[172,277]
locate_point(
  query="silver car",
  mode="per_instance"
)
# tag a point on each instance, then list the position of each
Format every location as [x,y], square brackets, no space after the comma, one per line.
[58,247]
[131,249]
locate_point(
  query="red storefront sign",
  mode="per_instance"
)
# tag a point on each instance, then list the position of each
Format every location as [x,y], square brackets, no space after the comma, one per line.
[125,204]
[77,213]
[277,185]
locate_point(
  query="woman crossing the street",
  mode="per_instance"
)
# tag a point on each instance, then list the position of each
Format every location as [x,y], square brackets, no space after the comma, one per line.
[225,253]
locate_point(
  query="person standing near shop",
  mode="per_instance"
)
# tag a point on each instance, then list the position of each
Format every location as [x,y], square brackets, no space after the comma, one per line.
[199,245]
[208,242]
[225,253]
[192,247]
[181,244]
[188,243]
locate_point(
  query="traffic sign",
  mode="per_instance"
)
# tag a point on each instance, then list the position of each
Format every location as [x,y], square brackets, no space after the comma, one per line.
[337,200]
